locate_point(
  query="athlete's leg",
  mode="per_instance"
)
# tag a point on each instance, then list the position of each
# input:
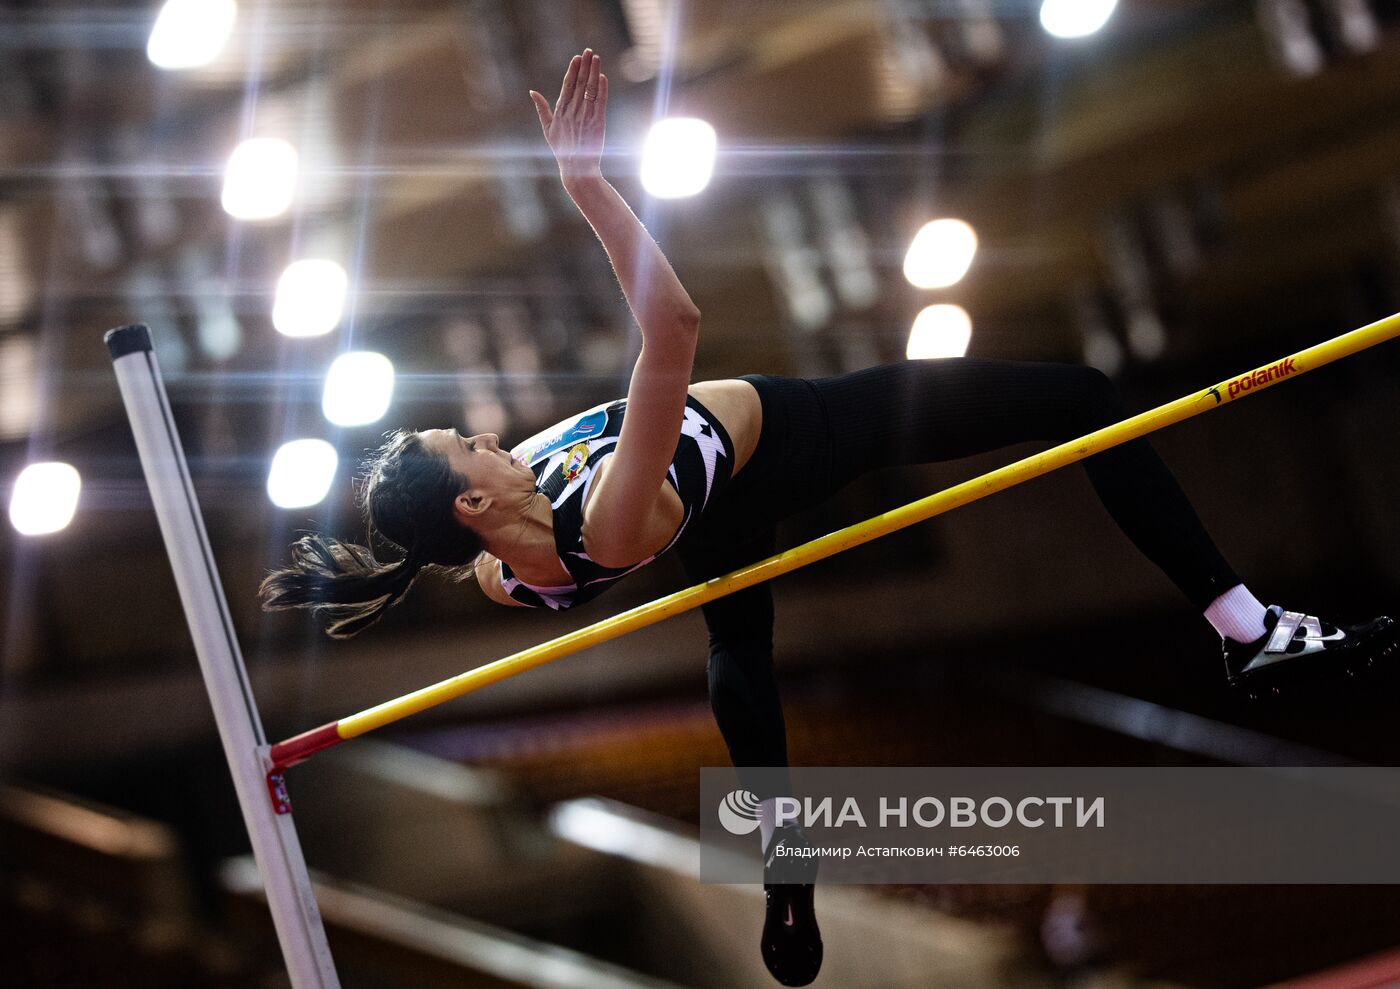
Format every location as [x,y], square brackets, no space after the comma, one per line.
[744,698]
[922,411]
[743,691]
[925,411]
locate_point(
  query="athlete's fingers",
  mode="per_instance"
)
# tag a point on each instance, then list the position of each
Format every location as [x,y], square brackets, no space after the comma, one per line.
[590,88]
[566,91]
[582,87]
[542,110]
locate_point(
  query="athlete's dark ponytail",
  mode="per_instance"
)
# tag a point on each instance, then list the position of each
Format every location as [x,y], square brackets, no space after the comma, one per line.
[407,496]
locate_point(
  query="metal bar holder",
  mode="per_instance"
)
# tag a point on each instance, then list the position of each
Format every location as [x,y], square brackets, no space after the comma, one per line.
[262,793]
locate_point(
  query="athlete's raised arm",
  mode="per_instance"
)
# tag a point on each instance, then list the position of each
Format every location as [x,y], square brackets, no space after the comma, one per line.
[620,505]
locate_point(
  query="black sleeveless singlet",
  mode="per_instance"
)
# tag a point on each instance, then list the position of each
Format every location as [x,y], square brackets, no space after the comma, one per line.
[565,459]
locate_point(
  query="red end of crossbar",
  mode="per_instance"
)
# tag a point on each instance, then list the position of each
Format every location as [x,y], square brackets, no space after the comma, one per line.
[301,747]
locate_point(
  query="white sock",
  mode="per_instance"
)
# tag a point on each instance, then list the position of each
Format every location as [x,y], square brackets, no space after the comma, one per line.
[1238,615]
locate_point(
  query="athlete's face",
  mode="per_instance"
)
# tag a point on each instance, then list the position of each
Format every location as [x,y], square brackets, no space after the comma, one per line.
[493,476]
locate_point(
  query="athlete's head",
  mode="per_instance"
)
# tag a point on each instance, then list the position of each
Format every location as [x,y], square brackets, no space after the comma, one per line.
[501,486]
[417,495]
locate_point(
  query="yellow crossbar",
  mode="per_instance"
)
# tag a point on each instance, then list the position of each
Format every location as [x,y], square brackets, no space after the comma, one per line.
[294,750]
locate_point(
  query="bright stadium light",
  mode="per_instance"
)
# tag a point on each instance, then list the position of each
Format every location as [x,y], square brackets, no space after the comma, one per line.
[190,33]
[940,254]
[678,157]
[1075,18]
[940,331]
[359,386]
[44,499]
[301,473]
[260,178]
[310,298]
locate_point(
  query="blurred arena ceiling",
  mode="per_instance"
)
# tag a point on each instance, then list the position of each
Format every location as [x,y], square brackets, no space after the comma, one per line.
[1186,174]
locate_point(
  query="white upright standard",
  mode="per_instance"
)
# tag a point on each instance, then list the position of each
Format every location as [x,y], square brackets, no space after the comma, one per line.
[266,811]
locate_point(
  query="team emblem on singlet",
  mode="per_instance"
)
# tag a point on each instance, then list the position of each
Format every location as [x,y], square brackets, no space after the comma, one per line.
[573,463]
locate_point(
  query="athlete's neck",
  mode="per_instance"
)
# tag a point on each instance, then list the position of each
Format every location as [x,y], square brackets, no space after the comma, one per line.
[525,541]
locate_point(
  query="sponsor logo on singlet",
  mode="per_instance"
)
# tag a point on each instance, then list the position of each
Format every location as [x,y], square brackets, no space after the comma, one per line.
[551,441]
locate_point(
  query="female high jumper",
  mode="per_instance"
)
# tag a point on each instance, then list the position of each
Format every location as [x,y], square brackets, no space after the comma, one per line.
[709,469]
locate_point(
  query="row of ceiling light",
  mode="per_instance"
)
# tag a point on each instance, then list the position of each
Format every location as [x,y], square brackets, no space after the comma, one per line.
[260,181]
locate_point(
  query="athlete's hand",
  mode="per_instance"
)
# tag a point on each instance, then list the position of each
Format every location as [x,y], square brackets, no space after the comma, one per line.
[574,128]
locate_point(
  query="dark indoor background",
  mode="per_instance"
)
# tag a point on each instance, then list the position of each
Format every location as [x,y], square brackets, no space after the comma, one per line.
[1200,188]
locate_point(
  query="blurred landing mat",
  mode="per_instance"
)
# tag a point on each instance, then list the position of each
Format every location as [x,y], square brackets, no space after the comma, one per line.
[1168,825]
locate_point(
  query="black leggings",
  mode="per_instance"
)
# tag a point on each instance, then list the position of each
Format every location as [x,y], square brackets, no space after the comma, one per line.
[819,435]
